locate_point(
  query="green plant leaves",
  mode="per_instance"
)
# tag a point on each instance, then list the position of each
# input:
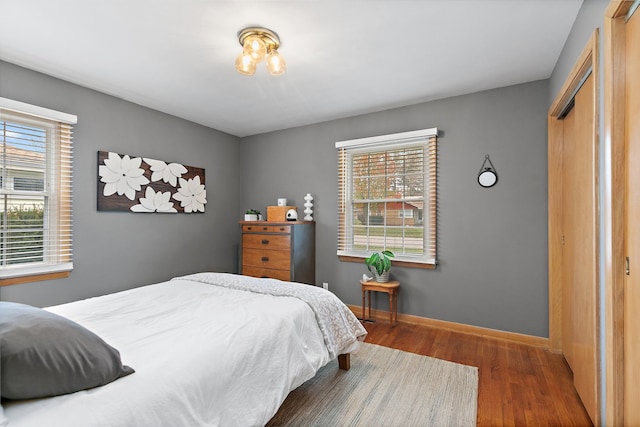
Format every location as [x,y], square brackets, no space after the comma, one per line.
[379,261]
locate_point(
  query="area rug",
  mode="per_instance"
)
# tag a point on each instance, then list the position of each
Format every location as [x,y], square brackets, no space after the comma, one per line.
[385,387]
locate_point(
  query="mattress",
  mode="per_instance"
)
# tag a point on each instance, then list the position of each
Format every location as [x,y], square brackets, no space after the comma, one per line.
[204,355]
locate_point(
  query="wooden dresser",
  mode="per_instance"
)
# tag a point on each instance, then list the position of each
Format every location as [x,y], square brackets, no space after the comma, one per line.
[280,250]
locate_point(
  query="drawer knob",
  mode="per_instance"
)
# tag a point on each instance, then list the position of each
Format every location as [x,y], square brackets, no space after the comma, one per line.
[265,258]
[265,242]
[264,228]
[249,228]
[281,228]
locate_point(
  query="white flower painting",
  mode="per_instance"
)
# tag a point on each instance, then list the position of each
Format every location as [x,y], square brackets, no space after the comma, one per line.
[122,175]
[154,202]
[141,184]
[191,195]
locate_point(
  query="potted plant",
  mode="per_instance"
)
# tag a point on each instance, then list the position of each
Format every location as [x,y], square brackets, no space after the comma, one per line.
[251,215]
[379,263]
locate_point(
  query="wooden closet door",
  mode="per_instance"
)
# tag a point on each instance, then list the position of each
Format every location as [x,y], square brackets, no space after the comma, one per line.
[579,256]
[632,219]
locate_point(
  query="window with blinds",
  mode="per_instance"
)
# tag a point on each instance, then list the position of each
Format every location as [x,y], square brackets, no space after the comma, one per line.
[387,196]
[35,192]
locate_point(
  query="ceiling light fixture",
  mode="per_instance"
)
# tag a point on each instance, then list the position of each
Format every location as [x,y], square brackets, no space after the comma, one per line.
[259,43]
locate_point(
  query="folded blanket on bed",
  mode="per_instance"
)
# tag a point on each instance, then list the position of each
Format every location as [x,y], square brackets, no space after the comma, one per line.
[339,326]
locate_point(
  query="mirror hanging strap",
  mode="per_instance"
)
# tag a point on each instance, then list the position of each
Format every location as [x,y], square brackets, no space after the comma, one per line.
[490,168]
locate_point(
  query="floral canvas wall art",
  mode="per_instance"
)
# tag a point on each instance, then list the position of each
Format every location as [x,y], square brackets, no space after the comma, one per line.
[141,184]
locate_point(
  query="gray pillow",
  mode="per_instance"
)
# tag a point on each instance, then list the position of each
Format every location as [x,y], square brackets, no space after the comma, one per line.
[44,354]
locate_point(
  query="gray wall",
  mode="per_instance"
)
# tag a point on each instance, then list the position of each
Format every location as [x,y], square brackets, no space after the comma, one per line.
[120,250]
[492,243]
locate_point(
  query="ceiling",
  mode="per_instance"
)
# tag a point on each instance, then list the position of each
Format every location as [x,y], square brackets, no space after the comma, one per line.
[344,57]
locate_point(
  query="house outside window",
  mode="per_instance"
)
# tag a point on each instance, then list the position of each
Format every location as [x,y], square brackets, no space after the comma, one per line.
[387,197]
[29,184]
[405,213]
[35,193]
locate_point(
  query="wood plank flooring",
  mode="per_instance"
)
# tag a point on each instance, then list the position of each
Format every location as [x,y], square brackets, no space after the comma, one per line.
[519,385]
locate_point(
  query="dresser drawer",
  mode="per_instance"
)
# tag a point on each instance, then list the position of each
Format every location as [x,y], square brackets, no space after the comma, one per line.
[267,272]
[266,229]
[280,260]
[266,241]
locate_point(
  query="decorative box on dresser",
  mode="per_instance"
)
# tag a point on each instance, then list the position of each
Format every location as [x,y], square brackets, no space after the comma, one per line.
[279,250]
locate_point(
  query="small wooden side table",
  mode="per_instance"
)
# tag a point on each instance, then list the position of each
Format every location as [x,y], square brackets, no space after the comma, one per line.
[390,288]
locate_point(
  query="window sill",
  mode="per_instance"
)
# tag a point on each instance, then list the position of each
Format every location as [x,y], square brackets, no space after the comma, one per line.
[15,275]
[34,278]
[394,262]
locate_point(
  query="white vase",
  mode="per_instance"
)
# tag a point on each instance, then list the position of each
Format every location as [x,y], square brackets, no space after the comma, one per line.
[382,278]
[307,207]
[250,217]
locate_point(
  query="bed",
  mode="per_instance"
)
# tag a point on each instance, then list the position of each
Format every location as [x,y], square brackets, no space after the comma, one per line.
[208,349]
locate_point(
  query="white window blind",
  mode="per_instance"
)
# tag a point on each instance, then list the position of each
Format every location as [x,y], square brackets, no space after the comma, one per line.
[35,190]
[387,196]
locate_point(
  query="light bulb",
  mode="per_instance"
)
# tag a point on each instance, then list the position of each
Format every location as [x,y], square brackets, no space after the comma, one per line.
[245,65]
[275,63]
[255,47]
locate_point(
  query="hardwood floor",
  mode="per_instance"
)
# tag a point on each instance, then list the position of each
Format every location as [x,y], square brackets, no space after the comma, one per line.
[518,384]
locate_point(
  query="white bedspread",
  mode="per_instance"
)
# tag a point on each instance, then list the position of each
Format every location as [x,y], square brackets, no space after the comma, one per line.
[337,323]
[204,356]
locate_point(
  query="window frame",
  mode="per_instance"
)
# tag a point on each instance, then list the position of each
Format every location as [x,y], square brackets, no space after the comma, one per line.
[57,193]
[426,138]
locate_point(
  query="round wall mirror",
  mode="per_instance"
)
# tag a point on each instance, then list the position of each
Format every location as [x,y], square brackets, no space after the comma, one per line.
[487,178]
